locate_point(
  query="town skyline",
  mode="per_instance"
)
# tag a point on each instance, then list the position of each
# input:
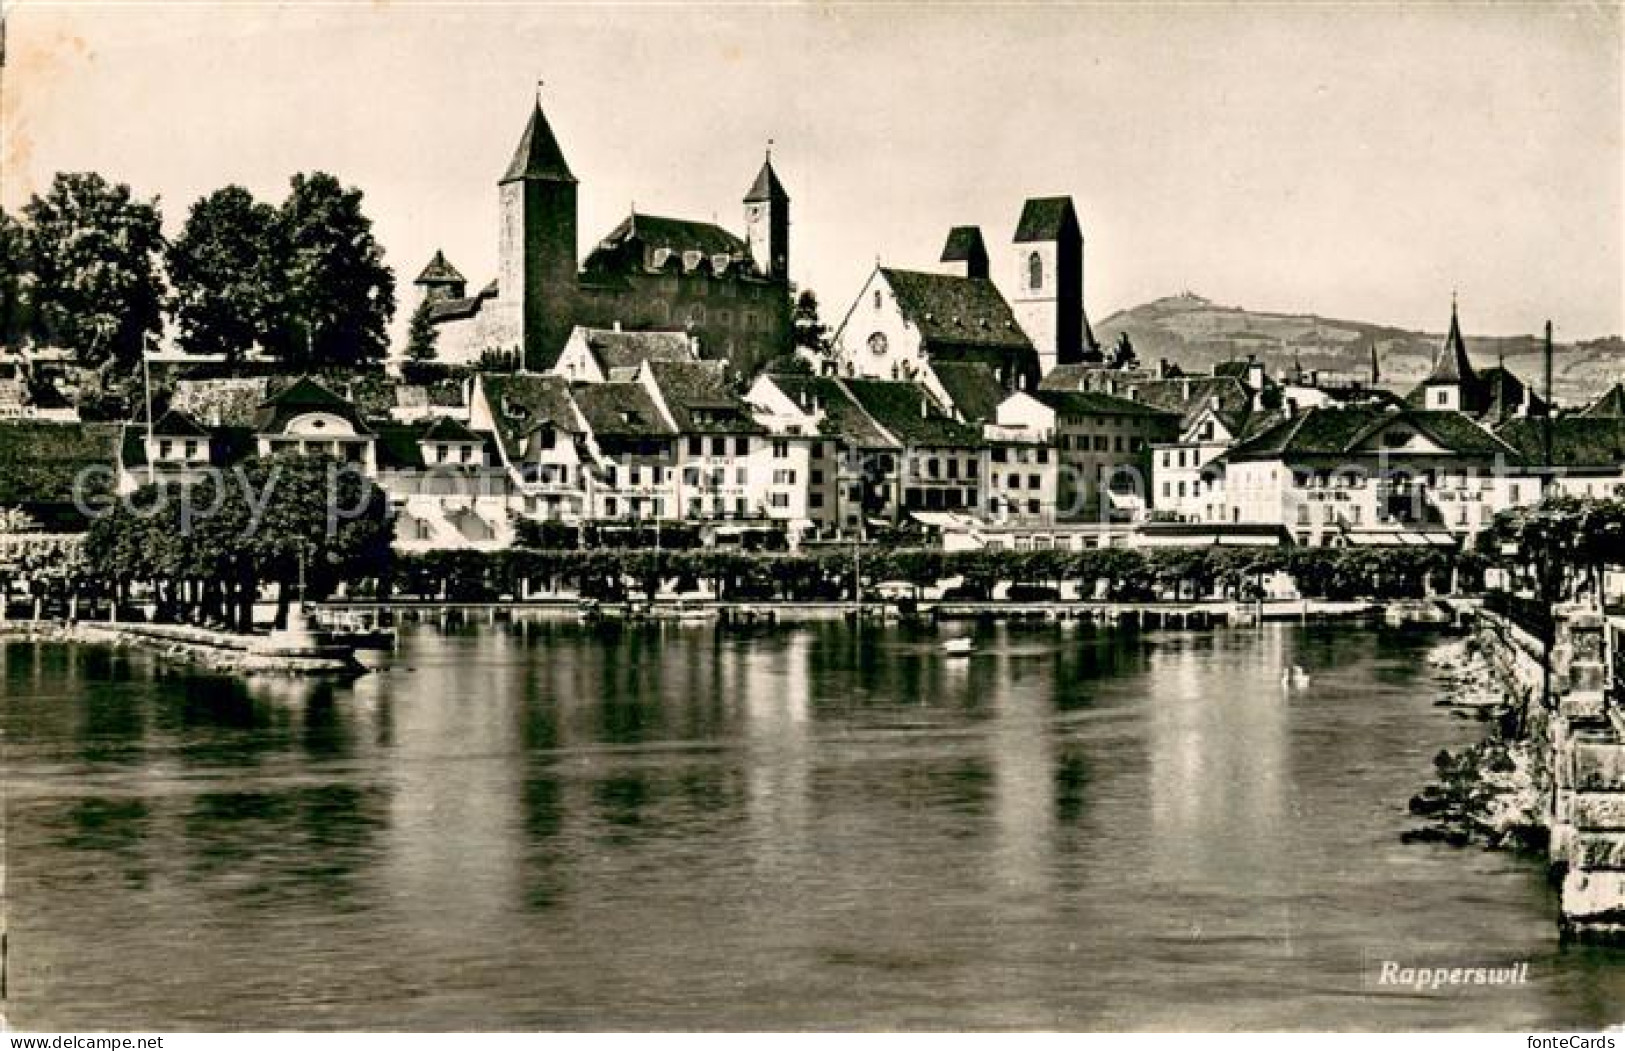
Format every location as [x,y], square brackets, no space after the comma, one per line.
[1478,192]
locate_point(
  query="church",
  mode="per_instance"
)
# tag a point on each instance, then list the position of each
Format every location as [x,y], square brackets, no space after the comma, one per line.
[730,293]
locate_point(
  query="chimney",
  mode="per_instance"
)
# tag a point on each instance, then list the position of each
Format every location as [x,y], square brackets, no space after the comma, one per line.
[1213,402]
[1184,390]
[1162,368]
[616,326]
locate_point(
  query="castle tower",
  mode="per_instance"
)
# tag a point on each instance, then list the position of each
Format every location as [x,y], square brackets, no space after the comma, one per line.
[1447,387]
[440,281]
[767,223]
[536,250]
[1047,280]
[965,254]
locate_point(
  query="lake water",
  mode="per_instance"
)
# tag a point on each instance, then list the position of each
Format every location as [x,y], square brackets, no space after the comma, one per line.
[534,826]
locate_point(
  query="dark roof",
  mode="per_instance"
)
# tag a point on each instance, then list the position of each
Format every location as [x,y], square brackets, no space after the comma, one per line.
[1577,441]
[439,272]
[963,311]
[1451,365]
[41,463]
[1190,396]
[843,418]
[620,410]
[908,412]
[1324,431]
[538,155]
[522,403]
[964,244]
[454,309]
[1094,403]
[446,429]
[1046,219]
[697,394]
[1502,395]
[1611,404]
[302,396]
[675,235]
[177,424]
[972,387]
[767,186]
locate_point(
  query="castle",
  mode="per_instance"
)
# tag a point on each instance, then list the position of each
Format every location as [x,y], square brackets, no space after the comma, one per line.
[731,293]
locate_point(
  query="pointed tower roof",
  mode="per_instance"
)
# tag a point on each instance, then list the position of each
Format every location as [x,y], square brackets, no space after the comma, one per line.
[1451,364]
[538,155]
[767,186]
[439,272]
[964,243]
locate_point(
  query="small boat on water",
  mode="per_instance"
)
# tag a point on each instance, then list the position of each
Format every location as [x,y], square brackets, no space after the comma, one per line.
[960,647]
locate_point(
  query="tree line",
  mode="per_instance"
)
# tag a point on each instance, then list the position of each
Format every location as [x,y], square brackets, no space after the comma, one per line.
[86,266]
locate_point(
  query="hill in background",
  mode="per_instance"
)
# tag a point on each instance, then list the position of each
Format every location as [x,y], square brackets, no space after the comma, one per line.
[1196,334]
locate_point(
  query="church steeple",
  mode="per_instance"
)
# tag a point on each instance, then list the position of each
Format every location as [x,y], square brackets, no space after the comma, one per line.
[538,155]
[1452,365]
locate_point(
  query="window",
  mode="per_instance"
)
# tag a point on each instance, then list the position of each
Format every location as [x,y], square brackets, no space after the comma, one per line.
[165,448]
[1441,397]
[877,299]
[1034,481]
[696,445]
[815,500]
[1035,271]
[781,449]
[191,450]
[741,446]
[779,500]
[784,476]
[609,507]
[719,447]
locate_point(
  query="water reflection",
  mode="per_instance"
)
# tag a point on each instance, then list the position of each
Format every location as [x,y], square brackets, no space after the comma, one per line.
[534,825]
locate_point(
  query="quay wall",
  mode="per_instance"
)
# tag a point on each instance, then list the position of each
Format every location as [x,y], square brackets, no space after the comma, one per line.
[1575,733]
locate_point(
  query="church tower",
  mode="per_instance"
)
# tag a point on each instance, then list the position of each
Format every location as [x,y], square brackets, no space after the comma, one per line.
[536,250]
[767,223]
[1449,386]
[1047,285]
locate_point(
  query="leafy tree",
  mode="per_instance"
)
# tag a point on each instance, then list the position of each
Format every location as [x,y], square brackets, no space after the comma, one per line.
[420,335]
[341,295]
[810,333]
[227,269]
[16,275]
[95,251]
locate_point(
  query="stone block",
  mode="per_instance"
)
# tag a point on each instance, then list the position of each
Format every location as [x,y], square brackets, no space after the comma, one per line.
[1597,811]
[1593,894]
[1598,766]
[1600,851]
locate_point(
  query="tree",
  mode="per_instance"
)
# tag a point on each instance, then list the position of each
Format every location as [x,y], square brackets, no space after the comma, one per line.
[227,269]
[95,251]
[810,334]
[341,295]
[1123,356]
[420,335]
[16,275]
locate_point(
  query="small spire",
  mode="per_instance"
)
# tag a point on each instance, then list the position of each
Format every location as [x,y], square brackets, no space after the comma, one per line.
[770,150]
[539,83]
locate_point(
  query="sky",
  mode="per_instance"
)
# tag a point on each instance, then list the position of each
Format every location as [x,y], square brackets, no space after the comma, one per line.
[1358,161]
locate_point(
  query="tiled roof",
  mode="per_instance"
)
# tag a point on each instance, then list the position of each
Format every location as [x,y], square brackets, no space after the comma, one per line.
[454,309]
[522,403]
[619,350]
[767,186]
[1046,219]
[973,388]
[1339,431]
[1577,441]
[677,236]
[538,155]
[1094,403]
[1192,395]
[964,244]
[221,402]
[1610,405]
[621,410]
[842,417]
[446,429]
[177,424]
[399,445]
[964,311]
[908,412]
[439,272]
[302,396]
[697,394]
